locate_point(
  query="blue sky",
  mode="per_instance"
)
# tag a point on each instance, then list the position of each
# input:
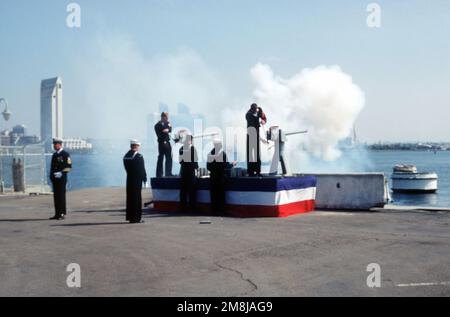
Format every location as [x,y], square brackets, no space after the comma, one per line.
[403,67]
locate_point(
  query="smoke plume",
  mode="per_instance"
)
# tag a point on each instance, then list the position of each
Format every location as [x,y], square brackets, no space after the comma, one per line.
[120,85]
[322,100]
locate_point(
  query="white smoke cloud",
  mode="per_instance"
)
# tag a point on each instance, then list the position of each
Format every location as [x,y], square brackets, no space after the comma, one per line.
[323,100]
[120,85]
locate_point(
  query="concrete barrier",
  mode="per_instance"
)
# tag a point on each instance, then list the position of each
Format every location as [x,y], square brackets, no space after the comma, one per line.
[361,191]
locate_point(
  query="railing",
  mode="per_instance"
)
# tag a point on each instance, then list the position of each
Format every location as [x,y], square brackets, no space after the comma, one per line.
[23,169]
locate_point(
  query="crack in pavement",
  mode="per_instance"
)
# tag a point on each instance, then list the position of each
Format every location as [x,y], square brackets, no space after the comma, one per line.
[249,281]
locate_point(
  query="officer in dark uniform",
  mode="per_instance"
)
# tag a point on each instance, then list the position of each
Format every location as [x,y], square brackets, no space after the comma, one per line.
[217,166]
[255,117]
[163,129]
[136,175]
[189,166]
[60,166]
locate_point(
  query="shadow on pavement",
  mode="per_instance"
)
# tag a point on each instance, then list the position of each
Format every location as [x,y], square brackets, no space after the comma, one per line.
[99,211]
[87,224]
[23,220]
[150,213]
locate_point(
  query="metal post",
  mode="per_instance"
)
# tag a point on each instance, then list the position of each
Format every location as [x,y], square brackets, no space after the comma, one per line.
[24,168]
[6,115]
[2,183]
[42,169]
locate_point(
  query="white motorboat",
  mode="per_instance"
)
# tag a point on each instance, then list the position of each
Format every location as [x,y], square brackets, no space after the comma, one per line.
[407,179]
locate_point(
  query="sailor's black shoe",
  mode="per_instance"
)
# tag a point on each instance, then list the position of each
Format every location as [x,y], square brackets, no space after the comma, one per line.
[135,222]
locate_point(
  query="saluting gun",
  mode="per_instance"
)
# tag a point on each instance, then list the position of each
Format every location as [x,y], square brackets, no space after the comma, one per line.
[180,136]
[205,135]
[279,138]
[275,133]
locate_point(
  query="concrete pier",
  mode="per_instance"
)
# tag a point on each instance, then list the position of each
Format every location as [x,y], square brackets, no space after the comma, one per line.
[317,254]
[351,191]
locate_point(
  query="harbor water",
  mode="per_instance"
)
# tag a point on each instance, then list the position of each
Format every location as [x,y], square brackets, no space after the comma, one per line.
[106,170]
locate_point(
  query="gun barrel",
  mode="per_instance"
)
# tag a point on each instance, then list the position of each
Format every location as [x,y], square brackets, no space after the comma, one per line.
[205,135]
[295,133]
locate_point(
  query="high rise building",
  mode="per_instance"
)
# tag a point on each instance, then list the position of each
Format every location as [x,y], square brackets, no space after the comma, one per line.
[20,130]
[51,109]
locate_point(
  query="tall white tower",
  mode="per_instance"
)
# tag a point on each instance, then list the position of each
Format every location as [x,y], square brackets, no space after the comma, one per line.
[51,109]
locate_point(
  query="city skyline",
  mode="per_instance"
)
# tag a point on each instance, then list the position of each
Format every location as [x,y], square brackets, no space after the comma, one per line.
[127,58]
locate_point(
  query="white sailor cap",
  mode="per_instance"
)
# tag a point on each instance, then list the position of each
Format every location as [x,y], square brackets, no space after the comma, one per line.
[57,141]
[134,142]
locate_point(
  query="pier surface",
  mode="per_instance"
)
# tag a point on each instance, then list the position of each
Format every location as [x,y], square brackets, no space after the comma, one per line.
[316,254]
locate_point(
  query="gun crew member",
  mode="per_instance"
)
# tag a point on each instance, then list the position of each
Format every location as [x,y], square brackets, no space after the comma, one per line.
[217,166]
[163,129]
[255,118]
[189,165]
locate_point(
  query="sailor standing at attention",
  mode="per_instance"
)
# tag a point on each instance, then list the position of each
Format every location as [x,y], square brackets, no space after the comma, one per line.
[60,166]
[136,175]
